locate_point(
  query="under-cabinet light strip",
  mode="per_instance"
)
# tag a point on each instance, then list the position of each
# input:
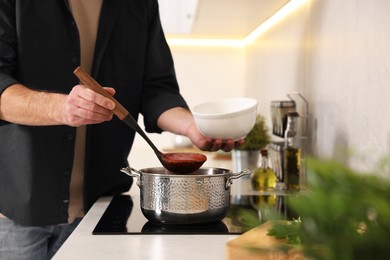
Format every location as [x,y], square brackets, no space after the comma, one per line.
[205,42]
[287,9]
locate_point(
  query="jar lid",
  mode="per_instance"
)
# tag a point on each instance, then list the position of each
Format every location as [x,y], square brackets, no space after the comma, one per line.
[283,103]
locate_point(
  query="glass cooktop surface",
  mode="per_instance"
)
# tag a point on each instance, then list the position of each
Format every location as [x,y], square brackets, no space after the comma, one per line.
[123,216]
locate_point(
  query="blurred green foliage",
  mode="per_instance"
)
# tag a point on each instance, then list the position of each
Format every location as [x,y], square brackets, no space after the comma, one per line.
[344,212]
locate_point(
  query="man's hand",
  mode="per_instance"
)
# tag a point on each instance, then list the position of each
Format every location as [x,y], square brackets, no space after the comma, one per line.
[21,105]
[83,106]
[181,121]
[209,144]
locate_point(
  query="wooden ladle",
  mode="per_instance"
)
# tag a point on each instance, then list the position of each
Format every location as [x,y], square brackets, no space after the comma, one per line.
[174,162]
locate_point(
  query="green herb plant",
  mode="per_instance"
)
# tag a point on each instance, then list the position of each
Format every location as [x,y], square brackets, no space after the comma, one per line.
[345,213]
[258,137]
[289,230]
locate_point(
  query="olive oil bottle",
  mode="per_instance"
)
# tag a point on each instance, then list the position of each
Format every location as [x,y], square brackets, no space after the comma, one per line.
[292,153]
[263,178]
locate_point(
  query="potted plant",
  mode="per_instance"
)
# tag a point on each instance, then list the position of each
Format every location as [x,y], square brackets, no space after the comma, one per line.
[247,155]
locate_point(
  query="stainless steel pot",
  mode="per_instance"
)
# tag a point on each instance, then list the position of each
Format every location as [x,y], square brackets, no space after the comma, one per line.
[177,199]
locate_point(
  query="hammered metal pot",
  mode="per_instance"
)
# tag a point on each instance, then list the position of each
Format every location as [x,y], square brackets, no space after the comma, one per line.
[180,199]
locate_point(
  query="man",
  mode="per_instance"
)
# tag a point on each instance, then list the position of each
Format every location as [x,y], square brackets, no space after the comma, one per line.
[60,146]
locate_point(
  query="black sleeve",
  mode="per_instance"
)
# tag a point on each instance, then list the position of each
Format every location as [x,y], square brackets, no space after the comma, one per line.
[7,44]
[160,90]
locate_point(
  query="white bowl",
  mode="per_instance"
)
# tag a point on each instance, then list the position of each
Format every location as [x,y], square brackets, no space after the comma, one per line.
[230,118]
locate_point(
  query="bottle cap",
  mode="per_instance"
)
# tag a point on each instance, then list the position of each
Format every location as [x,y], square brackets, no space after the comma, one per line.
[264,152]
[293,114]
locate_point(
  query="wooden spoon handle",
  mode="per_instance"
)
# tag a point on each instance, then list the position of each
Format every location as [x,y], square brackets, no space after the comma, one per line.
[90,83]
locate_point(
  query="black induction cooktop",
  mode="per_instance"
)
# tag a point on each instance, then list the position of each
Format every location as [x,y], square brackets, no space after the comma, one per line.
[123,216]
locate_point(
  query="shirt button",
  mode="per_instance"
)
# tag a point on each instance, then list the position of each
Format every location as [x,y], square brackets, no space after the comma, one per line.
[70,137]
[65,201]
[67,173]
[74,60]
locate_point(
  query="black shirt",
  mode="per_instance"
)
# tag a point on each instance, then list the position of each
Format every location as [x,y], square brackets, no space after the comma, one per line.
[39,48]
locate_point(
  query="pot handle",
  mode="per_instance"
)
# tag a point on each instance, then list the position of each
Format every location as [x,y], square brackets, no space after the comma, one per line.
[229,181]
[133,173]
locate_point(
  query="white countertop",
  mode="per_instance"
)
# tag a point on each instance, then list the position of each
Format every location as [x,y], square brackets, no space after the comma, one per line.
[83,245]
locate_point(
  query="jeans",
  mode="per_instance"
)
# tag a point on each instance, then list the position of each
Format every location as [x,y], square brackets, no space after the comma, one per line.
[18,242]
